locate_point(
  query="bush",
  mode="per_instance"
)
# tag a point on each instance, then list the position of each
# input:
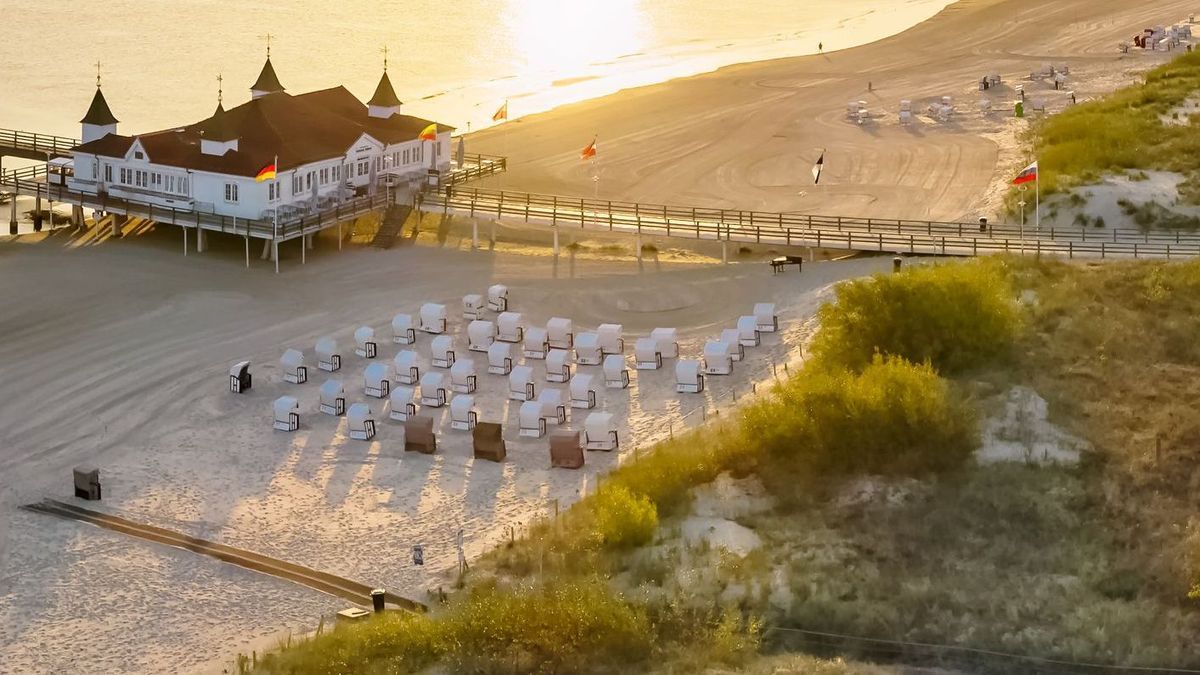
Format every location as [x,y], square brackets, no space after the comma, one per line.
[894,417]
[574,627]
[622,519]
[566,628]
[956,316]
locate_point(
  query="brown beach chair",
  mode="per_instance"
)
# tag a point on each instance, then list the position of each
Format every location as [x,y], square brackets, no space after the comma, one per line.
[489,444]
[419,436]
[565,450]
[87,482]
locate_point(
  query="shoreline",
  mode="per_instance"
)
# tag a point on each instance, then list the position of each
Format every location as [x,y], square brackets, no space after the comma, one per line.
[751,131]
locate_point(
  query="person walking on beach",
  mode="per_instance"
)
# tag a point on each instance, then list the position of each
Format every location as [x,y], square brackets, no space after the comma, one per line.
[821,47]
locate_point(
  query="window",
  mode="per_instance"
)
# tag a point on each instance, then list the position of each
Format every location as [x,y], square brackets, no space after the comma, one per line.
[271,191]
[406,157]
[324,176]
[363,167]
[308,181]
[297,184]
[337,172]
[170,183]
[183,186]
[108,173]
[231,192]
[138,155]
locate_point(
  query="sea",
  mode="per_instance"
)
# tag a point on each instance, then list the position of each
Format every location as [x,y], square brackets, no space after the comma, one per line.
[456,61]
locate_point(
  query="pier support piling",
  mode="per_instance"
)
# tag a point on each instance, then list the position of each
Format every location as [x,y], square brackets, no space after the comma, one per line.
[12,218]
[275,253]
[199,240]
[474,234]
[37,210]
[724,252]
[637,244]
[77,216]
[303,249]
[556,241]
[184,240]
[247,247]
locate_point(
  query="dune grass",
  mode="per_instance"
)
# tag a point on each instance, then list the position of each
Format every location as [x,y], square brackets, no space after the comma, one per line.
[1090,563]
[1123,131]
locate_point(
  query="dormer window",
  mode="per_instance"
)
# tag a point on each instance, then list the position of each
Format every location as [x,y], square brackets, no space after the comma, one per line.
[137,154]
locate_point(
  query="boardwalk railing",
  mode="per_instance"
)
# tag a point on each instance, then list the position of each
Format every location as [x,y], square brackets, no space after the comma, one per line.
[475,166]
[32,181]
[40,144]
[788,229]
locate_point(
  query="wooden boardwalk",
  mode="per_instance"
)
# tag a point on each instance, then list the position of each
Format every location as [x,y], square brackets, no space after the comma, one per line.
[351,591]
[799,230]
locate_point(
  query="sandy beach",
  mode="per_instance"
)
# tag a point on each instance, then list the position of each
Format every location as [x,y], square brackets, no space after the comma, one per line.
[746,136]
[116,354]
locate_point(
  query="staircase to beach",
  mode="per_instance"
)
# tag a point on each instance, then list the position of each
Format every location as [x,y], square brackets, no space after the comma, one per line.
[389,228]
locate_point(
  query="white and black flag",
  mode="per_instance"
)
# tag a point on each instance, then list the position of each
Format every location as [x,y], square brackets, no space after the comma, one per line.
[818,167]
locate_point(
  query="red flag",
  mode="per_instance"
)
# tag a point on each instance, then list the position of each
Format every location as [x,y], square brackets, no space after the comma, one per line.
[590,151]
[1029,175]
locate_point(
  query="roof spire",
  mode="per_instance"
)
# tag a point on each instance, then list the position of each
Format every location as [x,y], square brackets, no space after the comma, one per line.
[97,74]
[220,93]
[385,58]
[268,37]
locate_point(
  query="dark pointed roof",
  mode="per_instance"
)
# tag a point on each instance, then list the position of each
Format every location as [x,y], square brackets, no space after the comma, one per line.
[267,80]
[218,127]
[99,114]
[385,95]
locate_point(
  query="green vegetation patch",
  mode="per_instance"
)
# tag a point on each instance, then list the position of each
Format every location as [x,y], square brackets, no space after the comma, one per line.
[1123,131]
[958,317]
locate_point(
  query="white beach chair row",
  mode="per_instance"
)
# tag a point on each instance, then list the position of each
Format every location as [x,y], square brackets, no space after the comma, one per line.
[600,432]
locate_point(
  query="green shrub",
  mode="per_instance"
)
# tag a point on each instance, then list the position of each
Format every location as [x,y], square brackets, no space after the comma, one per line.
[566,628]
[622,519]
[956,316]
[894,417]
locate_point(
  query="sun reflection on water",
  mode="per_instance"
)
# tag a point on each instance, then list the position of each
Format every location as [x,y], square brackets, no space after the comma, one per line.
[555,37]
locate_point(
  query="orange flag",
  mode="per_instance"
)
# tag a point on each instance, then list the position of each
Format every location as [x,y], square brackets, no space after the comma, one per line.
[590,151]
[502,113]
[429,133]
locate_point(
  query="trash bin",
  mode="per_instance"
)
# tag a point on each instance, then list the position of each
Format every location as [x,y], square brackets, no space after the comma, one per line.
[983,225]
[377,599]
[896,263]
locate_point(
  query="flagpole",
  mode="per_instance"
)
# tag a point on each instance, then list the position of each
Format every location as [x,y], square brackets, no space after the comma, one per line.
[1037,200]
[275,219]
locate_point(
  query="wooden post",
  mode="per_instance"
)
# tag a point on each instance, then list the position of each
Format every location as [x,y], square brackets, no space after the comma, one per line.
[303,248]
[555,241]
[185,242]
[474,234]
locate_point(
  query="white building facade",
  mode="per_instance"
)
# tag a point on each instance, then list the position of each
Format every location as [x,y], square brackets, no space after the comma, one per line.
[326,147]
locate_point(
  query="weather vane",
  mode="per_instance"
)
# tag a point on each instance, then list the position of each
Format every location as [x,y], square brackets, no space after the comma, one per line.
[385,55]
[97,74]
[268,37]
[220,80]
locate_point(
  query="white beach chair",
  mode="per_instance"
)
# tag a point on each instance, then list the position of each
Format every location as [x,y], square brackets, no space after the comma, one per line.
[536,343]
[403,330]
[553,410]
[530,420]
[463,379]
[361,422]
[287,413]
[646,355]
[472,307]
[583,391]
[480,335]
[587,349]
[407,365]
[463,415]
[688,377]
[294,370]
[600,432]
[500,358]
[432,318]
[239,377]
[668,342]
[560,333]
[717,359]
[442,348]
[377,380]
[611,338]
[748,333]
[497,298]
[520,384]
[433,390]
[510,327]
[333,398]
[328,358]
[732,339]
[364,340]
[403,403]
[616,375]
[558,366]
[764,315]
[905,117]
[905,105]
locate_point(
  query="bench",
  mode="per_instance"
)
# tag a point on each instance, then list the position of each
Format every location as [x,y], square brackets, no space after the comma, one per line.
[778,264]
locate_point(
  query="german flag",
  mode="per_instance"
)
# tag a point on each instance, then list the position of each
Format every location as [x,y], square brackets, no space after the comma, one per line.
[590,151]
[265,173]
[429,133]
